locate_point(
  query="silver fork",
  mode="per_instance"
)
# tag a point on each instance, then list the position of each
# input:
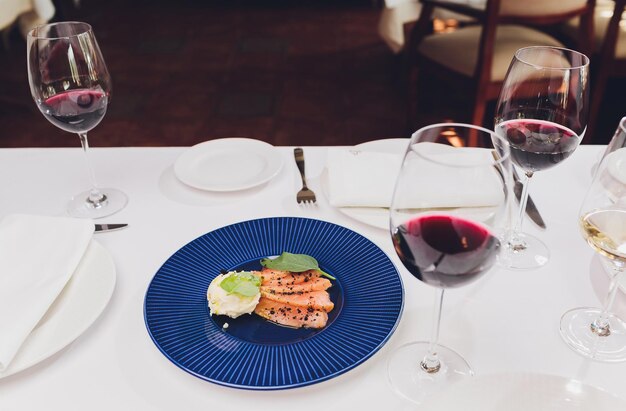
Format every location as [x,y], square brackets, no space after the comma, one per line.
[305,195]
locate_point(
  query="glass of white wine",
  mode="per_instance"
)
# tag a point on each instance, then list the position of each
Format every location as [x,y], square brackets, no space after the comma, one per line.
[596,332]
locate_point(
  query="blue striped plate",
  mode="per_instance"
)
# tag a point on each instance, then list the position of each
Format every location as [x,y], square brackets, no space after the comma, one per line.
[256,354]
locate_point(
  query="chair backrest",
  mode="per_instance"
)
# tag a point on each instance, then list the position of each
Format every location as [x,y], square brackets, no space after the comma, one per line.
[607,65]
[540,7]
[497,12]
[532,13]
[611,36]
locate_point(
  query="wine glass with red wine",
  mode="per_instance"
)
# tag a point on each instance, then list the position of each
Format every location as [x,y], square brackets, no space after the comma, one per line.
[71,86]
[542,112]
[598,333]
[447,219]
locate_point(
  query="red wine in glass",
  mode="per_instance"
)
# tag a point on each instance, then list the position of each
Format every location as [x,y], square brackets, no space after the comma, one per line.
[538,144]
[76,111]
[445,251]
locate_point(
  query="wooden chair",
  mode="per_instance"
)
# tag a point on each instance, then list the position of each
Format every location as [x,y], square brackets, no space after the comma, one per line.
[610,38]
[476,58]
[396,21]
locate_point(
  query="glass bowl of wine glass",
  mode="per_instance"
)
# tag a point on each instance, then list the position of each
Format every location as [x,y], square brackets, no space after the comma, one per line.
[542,113]
[71,86]
[597,333]
[447,220]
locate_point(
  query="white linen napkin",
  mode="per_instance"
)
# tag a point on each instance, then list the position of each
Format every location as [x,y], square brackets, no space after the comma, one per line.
[361,178]
[38,255]
[367,179]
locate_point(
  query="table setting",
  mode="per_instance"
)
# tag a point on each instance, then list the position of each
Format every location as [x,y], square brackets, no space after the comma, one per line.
[111,306]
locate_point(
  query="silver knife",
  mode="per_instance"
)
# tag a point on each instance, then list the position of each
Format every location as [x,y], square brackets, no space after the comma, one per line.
[531,208]
[109,227]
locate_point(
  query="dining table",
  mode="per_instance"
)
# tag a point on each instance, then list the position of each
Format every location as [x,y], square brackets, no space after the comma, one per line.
[506,323]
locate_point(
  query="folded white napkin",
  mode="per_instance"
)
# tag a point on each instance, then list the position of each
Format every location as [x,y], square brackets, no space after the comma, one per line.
[361,178]
[38,255]
[367,179]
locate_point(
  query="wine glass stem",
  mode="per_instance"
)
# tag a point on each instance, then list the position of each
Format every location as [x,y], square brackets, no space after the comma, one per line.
[516,243]
[96,199]
[601,325]
[430,363]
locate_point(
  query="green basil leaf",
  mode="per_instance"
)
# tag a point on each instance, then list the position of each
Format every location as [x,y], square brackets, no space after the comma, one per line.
[246,289]
[243,283]
[296,263]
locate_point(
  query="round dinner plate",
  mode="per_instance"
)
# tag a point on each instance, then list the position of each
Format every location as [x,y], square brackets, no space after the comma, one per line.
[523,392]
[81,302]
[373,216]
[253,353]
[228,164]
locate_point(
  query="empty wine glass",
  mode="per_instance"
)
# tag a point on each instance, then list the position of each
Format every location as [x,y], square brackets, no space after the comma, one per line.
[542,112]
[596,332]
[71,86]
[448,212]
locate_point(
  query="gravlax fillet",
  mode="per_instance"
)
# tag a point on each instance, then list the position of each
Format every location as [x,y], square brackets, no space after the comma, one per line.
[318,300]
[271,277]
[317,284]
[290,315]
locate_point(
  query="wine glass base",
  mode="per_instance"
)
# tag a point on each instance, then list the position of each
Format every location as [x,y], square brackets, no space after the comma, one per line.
[527,253]
[576,332]
[80,206]
[410,381]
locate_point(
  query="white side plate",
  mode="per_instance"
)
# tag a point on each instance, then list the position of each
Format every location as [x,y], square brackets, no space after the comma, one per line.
[228,164]
[80,303]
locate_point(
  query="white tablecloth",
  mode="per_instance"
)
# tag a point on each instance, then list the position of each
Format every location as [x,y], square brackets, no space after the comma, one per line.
[506,322]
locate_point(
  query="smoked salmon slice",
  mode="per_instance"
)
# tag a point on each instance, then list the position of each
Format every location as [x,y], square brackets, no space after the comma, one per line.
[318,300]
[290,315]
[294,299]
[271,277]
[316,284]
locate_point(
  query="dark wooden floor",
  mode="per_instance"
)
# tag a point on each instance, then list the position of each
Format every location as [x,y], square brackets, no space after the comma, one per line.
[311,72]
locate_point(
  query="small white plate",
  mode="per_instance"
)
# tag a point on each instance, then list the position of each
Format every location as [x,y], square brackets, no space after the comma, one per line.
[228,164]
[372,216]
[80,303]
[523,391]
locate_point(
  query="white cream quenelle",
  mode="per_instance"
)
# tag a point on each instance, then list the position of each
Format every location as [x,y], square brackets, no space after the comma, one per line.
[231,304]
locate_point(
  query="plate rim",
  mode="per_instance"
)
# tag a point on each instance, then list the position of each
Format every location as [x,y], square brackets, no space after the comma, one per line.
[269,151]
[85,271]
[312,381]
